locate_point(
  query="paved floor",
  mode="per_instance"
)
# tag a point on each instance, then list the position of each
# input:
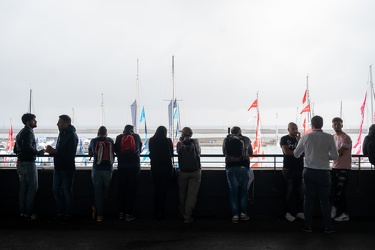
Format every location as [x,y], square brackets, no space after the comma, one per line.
[261,232]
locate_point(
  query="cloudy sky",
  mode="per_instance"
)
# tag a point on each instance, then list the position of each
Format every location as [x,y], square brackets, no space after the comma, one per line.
[70,52]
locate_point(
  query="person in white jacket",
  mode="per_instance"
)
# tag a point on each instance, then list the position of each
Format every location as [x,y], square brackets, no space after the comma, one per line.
[319,148]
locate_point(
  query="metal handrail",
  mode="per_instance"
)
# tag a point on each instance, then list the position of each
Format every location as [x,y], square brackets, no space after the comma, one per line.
[358,161]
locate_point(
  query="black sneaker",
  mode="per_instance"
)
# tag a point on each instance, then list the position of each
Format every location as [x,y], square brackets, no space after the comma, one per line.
[66,220]
[32,217]
[307,229]
[56,219]
[329,230]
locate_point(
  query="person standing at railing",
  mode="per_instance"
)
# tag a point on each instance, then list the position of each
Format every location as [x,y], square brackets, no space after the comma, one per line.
[190,174]
[237,149]
[292,173]
[64,168]
[26,151]
[128,146]
[161,153]
[368,146]
[102,148]
[319,148]
[340,172]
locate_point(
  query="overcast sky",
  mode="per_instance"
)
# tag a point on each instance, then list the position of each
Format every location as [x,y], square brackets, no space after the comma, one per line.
[70,52]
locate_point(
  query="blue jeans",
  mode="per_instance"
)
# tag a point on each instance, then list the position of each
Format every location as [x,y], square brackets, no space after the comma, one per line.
[101,179]
[28,177]
[317,182]
[293,190]
[238,179]
[63,186]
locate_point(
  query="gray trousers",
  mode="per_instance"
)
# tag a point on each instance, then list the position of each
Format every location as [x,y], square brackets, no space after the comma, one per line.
[188,185]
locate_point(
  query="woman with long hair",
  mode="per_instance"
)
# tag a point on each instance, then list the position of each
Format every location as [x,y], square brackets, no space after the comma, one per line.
[161,153]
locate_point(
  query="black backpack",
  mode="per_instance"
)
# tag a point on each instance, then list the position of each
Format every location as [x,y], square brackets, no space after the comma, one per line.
[188,158]
[235,148]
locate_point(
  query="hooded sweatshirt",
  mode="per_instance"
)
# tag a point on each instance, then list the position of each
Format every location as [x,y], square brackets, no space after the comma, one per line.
[66,147]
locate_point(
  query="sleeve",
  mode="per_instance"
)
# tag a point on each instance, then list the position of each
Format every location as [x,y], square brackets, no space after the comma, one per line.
[27,144]
[197,146]
[118,145]
[250,148]
[364,146]
[300,147]
[223,147]
[347,142]
[170,146]
[334,154]
[283,141]
[178,146]
[91,148]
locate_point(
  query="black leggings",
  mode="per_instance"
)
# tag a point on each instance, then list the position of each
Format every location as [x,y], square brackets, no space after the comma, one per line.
[339,180]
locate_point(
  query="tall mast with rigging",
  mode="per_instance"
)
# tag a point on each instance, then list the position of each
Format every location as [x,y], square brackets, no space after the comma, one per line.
[172,101]
[372,97]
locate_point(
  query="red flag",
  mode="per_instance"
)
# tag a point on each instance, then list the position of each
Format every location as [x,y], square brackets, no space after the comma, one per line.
[10,142]
[254,105]
[306,109]
[358,144]
[304,97]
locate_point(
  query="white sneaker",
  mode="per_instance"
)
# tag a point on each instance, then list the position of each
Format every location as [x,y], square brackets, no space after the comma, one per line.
[235,219]
[300,216]
[289,217]
[342,217]
[333,212]
[244,217]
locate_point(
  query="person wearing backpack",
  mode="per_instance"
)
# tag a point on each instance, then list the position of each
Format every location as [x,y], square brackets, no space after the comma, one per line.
[161,153]
[237,149]
[189,176]
[102,148]
[368,147]
[128,147]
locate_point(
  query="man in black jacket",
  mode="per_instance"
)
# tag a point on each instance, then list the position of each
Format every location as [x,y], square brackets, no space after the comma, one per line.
[26,151]
[64,161]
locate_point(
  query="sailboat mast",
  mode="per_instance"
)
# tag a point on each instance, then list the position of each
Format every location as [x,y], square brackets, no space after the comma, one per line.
[137,98]
[30,98]
[173,97]
[341,109]
[102,111]
[372,97]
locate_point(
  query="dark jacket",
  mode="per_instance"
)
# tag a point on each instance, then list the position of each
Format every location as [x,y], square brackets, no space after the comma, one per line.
[368,138]
[25,145]
[128,159]
[66,147]
[161,153]
[235,162]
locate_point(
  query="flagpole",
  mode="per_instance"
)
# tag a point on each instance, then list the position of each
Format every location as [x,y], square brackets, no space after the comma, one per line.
[173,97]
[372,97]
[308,98]
[30,97]
[102,111]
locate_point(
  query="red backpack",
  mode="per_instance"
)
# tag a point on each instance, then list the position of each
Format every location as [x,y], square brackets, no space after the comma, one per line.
[128,144]
[104,152]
